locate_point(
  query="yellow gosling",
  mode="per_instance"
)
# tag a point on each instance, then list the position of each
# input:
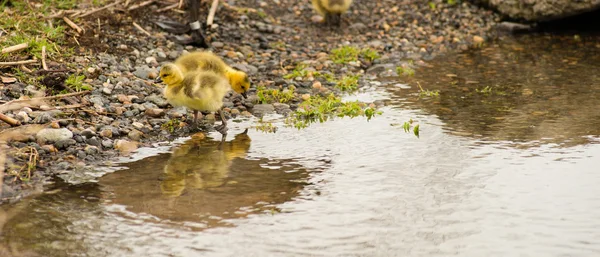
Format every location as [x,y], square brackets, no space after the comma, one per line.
[196,90]
[332,10]
[207,61]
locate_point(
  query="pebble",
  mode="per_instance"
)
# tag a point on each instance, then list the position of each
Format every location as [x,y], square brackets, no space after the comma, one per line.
[125,146]
[87,133]
[106,133]
[135,135]
[23,117]
[64,144]
[262,109]
[478,39]
[107,143]
[155,112]
[91,149]
[53,135]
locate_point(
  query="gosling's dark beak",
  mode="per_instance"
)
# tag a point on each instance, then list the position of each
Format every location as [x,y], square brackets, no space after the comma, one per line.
[158,80]
[245,95]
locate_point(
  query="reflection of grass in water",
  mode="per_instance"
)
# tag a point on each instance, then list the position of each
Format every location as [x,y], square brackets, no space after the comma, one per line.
[428,93]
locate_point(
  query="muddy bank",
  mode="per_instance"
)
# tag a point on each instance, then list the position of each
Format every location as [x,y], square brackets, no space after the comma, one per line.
[124,110]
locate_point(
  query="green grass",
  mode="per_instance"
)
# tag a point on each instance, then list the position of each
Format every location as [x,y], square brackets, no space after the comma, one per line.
[344,54]
[299,71]
[320,109]
[427,92]
[265,126]
[370,54]
[405,71]
[267,96]
[348,83]
[76,83]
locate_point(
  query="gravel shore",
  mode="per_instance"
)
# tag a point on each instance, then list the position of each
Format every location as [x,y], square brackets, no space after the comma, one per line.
[124,109]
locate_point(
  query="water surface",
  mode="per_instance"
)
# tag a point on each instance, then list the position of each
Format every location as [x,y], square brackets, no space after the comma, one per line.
[510,170]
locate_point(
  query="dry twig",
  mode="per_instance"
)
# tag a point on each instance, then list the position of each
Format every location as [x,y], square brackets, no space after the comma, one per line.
[44,66]
[9,120]
[17,63]
[14,48]
[169,7]
[73,25]
[100,9]
[211,14]
[142,4]
[17,104]
[141,29]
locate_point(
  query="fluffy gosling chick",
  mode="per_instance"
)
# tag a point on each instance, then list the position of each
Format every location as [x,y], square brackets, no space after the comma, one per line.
[208,61]
[332,10]
[196,90]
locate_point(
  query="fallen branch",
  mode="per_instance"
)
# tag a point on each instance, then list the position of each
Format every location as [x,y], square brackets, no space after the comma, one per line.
[9,120]
[180,4]
[73,25]
[44,66]
[141,29]
[142,4]
[167,8]
[211,14]
[25,69]
[17,63]
[14,48]
[100,9]
[19,103]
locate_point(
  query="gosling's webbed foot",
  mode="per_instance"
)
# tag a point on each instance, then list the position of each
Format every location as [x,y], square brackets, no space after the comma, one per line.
[222,129]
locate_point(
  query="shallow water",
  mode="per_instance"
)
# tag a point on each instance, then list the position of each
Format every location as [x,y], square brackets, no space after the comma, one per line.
[507,171]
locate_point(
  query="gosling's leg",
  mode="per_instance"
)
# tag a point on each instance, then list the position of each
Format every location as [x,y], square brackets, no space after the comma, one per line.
[223,127]
[195,116]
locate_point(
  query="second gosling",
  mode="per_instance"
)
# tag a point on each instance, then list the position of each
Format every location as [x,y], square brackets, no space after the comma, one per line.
[208,61]
[196,90]
[332,10]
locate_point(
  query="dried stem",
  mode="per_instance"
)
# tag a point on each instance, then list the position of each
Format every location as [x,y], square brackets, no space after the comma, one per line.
[100,9]
[142,4]
[44,66]
[141,29]
[211,14]
[9,120]
[15,48]
[7,105]
[169,7]
[73,25]
[17,63]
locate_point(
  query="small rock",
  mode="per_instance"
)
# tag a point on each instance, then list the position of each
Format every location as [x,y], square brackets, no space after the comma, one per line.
[64,144]
[317,85]
[107,143]
[305,97]
[44,117]
[143,72]
[317,19]
[151,60]
[87,133]
[106,133]
[217,44]
[135,135]
[125,146]
[246,114]
[262,109]
[158,100]
[90,150]
[235,112]
[478,39]
[123,99]
[155,113]
[49,148]
[53,135]
[23,117]
[137,125]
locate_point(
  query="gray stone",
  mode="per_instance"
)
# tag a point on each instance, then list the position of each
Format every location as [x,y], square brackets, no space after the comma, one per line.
[64,144]
[135,135]
[90,149]
[158,100]
[542,10]
[143,72]
[97,100]
[107,143]
[53,135]
[262,109]
[87,133]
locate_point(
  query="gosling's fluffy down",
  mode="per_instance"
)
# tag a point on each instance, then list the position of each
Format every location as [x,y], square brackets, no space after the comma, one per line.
[199,90]
[196,90]
[207,61]
[331,10]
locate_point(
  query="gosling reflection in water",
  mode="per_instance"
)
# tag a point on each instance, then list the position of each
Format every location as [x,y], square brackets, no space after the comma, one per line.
[201,163]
